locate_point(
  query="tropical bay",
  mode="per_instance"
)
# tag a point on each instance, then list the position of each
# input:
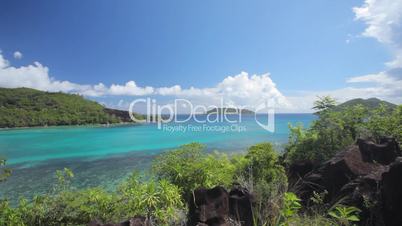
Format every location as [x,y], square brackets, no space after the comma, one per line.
[35,153]
[200,113]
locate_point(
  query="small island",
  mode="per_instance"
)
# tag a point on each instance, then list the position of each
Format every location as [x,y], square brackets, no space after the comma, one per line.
[229,111]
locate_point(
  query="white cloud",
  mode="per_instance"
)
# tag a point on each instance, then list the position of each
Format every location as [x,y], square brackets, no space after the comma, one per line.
[3,62]
[17,55]
[384,23]
[33,76]
[37,76]
[381,78]
[239,90]
[383,19]
[130,89]
[165,91]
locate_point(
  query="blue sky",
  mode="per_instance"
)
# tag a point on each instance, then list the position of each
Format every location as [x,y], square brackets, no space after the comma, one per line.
[308,48]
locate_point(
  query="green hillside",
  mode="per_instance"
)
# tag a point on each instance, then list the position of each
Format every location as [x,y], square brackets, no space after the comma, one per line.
[23,107]
[371,103]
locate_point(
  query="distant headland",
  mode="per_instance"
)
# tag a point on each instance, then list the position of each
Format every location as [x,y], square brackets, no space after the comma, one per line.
[231,111]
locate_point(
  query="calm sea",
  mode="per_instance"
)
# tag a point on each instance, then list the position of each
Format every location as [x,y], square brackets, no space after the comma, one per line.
[103,156]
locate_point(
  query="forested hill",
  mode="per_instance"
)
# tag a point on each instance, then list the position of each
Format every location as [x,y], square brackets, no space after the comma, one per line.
[23,107]
[371,103]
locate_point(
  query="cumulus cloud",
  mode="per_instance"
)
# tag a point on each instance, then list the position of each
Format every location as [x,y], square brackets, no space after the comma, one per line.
[17,55]
[3,62]
[33,76]
[130,89]
[238,90]
[37,76]
[165,91]
[383,19]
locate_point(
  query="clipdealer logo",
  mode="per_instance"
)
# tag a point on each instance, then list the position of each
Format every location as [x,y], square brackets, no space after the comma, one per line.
[200,117]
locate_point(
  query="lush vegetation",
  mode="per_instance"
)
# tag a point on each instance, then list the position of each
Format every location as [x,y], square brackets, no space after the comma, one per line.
[335,129]
[23,107]
[157,199]
[190,167]
[162,195]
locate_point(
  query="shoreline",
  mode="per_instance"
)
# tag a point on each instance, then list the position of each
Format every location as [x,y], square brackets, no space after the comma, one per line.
[72,126]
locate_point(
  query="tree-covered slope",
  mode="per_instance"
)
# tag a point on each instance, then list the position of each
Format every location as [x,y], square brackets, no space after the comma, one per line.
[23,107]
[371,103]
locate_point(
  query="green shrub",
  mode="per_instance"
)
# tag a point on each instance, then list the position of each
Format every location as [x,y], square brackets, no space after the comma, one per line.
[4,171]
[262,174]
[189,167]
[290,208]
[158,200]
[345,215]
[262,163]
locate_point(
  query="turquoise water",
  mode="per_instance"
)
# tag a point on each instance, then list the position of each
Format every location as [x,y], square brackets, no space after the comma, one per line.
[102,156]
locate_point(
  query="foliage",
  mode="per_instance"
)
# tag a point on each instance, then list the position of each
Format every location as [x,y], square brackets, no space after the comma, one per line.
[324,104]
[345,215]
[263,175]
[64,179]
[189,167]
[159,200]
[161,197]
[262,162]
[290,208]
[336,128]
[292,205]
[312,220]
[318,202]
[4,172]
[23,107]
[384,123]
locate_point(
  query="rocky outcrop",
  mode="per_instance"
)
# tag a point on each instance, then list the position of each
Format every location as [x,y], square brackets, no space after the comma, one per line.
[340,170]
[366,175]
[298,170]
[217,207]
[240,206]
[124,116]
[391,194]
[383,153]
[209,207]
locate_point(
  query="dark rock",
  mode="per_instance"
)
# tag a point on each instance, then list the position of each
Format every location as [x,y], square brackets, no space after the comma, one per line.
[366,175]
[364,193]
[384,153]
[391,192]
[124,116]
[299,169]
[337,172]
[240,206]
[209,207]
